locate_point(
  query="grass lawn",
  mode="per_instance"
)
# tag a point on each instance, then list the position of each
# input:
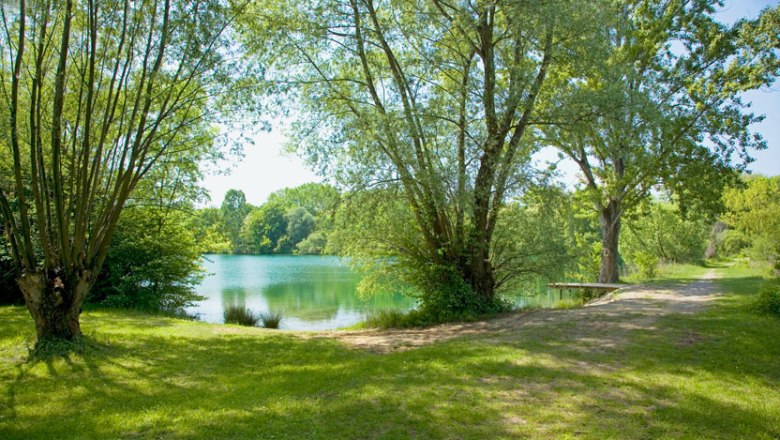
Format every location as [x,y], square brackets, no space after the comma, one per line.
[670,273]
[711,375]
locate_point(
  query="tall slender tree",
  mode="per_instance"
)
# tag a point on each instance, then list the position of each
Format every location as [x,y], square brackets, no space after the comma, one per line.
[234,209]
[95,94]
[657,105]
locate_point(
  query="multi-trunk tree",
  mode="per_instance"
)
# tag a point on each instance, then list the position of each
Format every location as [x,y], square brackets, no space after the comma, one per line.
[95,95]
[657,105]
[432,97]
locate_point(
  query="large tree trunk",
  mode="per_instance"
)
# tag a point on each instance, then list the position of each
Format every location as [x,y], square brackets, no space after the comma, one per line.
[55,303]
[479,274]
[610,230]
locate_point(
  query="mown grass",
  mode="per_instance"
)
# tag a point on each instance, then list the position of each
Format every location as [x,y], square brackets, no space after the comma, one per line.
[711,375]
[672,272]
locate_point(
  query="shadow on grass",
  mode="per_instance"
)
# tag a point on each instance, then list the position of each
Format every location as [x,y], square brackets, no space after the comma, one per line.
[50,350]
[707,375]
[237,387]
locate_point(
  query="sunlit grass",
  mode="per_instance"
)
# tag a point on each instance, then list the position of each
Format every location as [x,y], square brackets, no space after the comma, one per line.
[567,304]
[671,272]
[710,375]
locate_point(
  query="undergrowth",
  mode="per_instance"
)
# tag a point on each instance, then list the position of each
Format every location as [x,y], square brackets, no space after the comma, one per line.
[240,316]
[768,299]
[271,319]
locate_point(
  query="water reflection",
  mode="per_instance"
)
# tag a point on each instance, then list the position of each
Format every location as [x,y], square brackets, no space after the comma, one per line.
[311,292]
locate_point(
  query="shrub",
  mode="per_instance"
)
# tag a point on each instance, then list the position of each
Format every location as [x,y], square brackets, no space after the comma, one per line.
[447,297]
[646,264]
[422,317]
[661,230]
[271,319]
[153,263]
[768,301]
[387,318]
[240,316]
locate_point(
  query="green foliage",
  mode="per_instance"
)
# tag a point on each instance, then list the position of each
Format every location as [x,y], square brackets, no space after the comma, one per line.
[209,229]
[314,244]
[234,210]
[531,238]
[437,136]
[637,116]
[317,198]
[372,224]
[752,212]
[387,319]
[293,220]
[47,350]
[660,233]
[566,304]
[371,227]
[271,319]
[588,258]
[646,263]
[581,235]
[530,241]
[368,228]
[300,223]
[768,300]
[585,295]
[733,243]
[152,263]
[580,298]
[106,104]
[707,375]
[263,230]
[445,296]
[669,273]
[241,316]
[308,210]
[442,293]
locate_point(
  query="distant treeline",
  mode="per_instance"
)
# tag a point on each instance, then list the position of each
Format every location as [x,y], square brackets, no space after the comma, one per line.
[154,259]
[292,221]
[556,227]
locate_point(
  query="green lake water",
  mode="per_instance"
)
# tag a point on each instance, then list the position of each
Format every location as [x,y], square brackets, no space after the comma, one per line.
[312,292]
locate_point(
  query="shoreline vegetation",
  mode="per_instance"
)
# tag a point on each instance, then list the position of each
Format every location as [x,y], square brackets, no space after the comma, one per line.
[443,133]
[401,319]
[708,374]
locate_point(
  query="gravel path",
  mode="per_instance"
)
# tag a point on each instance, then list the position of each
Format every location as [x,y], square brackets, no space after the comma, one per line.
[603,323]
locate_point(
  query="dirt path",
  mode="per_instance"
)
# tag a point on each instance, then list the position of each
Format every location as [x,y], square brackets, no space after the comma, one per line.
[604,323]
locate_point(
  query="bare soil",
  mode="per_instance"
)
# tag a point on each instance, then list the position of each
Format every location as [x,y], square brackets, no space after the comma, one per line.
[604,322]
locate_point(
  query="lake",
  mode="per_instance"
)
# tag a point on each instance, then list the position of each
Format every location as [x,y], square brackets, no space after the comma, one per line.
[312,292]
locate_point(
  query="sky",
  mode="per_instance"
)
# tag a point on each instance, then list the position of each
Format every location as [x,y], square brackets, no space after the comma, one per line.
[265,168]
